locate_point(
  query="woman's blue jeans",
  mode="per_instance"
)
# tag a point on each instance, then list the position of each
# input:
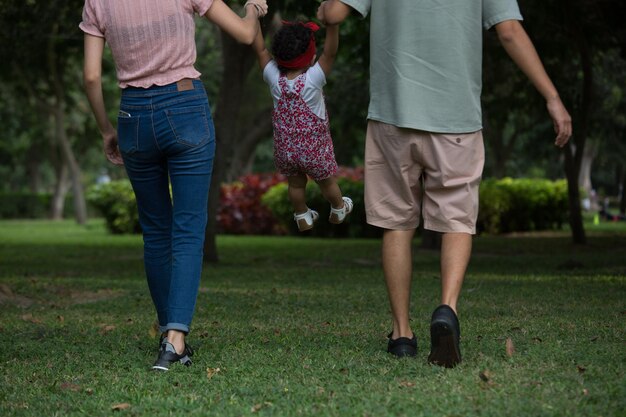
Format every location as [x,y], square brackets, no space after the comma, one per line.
[166,136]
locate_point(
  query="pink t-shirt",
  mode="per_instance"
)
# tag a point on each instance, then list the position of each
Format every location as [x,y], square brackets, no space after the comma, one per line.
[152,41]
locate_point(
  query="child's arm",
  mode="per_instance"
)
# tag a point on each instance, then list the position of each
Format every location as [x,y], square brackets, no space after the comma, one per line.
[262,54]
[331,45]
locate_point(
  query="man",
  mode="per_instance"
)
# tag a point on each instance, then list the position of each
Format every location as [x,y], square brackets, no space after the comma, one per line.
[424,150]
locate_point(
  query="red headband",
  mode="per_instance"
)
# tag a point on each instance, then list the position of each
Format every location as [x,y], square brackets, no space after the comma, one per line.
[305,58]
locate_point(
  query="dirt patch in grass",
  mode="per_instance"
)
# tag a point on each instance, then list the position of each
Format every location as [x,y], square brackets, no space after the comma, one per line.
[56,295]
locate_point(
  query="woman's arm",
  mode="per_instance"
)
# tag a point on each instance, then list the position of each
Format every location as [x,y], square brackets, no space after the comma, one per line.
[244,29]
[92,77]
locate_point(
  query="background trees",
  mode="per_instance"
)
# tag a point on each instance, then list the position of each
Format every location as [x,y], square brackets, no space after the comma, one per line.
[49,141]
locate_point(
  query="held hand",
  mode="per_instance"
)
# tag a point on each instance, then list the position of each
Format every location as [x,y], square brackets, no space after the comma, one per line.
[561,119]
[259,5]
[111,150]
[321,12]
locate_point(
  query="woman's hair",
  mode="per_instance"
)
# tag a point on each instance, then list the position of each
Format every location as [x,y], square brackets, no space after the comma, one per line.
[289,42]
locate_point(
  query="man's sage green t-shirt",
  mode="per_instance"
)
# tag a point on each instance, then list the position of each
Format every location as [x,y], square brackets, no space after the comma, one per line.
[426,60]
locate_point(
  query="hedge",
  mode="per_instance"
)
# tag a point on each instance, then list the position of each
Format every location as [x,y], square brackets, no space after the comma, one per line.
[518,205]
[259,204]
[27,205]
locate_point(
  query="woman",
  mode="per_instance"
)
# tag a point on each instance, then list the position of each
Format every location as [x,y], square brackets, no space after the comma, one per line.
[165,136]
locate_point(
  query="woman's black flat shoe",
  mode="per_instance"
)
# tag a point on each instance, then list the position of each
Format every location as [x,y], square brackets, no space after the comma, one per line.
[168,356]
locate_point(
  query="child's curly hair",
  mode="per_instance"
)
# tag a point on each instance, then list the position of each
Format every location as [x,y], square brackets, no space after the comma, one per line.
[290,41]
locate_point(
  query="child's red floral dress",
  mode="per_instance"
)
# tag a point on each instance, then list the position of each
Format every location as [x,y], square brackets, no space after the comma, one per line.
[302,142]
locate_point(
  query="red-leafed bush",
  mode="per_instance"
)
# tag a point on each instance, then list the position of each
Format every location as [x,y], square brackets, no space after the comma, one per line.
[350,173]
[241,211]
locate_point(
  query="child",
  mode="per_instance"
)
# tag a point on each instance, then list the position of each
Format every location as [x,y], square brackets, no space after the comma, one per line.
[302,142]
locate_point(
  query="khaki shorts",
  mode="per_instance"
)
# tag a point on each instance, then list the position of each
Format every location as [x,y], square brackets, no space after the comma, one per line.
[408,172]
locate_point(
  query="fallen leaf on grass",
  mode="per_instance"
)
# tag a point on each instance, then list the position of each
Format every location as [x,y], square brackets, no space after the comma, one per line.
[107,328]
[537,339]
[407,384]
[585,391]
[211,372]
[256,407]
[510,348]
[580,369]
[154,330]
[70,386]
[593,339]
[6,290]
[29,317]
[121,406]
[61,319]
[486,377]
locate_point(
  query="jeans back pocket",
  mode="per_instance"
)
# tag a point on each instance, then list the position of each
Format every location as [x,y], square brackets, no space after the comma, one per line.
[190,125]
[128,134]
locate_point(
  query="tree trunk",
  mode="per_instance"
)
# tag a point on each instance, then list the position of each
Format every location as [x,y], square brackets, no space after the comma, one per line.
[575,149]
[33,167]
[58,113]
[238,60]
[69,160]
[584,176]
[622,193]
[244,152]
[60,191]
[573,192]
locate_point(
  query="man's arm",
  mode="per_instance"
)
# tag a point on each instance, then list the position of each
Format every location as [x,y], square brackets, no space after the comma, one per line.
[333,12]
[519,47]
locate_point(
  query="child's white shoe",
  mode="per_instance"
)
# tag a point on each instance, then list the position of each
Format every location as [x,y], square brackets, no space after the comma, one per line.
[306,220]
[339,215]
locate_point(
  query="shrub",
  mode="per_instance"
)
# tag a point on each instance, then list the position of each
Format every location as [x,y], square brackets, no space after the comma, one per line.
[351,183]
[511,205]
[241,211]
[27,205]
[24,205]
[116,202]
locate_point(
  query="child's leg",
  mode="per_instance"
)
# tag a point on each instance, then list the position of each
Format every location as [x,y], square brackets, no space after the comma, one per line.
[331,192]
[297,192]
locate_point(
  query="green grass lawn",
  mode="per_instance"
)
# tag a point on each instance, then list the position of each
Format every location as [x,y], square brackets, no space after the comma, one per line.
[296,326]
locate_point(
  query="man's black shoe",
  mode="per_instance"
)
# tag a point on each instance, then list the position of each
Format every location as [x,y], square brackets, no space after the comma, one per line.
[168,356]
[402,346]
[445,333]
